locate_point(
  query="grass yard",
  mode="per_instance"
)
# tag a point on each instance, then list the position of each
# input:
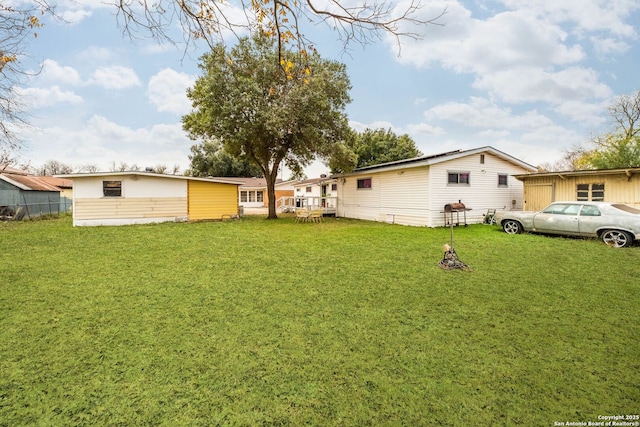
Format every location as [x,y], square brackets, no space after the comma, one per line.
[343,323]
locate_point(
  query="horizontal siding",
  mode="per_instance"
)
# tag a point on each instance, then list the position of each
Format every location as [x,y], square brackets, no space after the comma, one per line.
[210,200]
[399,197]
[482,194]
[123,208]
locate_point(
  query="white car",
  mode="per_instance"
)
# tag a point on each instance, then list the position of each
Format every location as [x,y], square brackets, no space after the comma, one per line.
[616,224]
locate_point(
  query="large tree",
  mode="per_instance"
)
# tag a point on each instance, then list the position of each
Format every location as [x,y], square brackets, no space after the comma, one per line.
[269,111]
[381,146]
[208,158]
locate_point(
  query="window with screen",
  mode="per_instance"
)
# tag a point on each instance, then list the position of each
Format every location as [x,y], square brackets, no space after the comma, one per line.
[112,188]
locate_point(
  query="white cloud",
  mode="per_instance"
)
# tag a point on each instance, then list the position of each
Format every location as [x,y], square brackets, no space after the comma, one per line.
[609,46]
[167,91]
[100,141]
[424,129]
[536,84]
[507,39]
[47,97]
[585,15]
[54,72]
[114,77]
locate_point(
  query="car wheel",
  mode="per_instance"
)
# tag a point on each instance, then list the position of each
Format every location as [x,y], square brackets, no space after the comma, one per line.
[512,227]
[616,238]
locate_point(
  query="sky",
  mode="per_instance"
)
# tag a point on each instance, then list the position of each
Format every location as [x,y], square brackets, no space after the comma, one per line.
[530,78]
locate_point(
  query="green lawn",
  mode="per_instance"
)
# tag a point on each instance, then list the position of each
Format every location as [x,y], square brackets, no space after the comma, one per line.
[343,323]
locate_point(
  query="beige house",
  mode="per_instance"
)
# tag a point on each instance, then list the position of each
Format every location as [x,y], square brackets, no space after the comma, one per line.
[607,185]
[415,191]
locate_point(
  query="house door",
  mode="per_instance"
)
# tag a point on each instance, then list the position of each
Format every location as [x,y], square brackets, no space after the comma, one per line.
[538,196]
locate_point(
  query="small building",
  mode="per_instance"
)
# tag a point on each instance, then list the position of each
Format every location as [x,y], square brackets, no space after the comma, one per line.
[23,195]
[606,185]
[415,191]
[121,198]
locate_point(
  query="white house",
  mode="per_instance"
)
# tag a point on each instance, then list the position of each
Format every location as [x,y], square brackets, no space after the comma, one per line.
[120,198]
[415,191]
[317,192]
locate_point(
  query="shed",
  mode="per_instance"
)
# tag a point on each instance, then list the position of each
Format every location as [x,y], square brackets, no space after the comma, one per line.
[607,185]
[24,196]
[120,198]
[415,191]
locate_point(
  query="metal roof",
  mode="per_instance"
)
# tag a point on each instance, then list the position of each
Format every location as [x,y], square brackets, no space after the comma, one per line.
[27,182]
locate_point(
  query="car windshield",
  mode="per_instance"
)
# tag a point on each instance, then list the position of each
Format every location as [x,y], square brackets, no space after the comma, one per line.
[627,208]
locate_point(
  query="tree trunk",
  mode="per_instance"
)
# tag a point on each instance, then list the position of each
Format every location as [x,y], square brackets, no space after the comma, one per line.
[271,192]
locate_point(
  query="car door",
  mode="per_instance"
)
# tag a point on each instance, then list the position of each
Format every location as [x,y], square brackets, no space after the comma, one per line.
[590,220]
[558,218]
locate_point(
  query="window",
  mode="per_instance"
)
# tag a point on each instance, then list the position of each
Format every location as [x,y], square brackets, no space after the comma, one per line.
[112,188]
[364,183]
[590,211]
[251,196]
[503,180]
[334,187]
[461,178]
[482,159]
[563,209]
[593,192]
[308,189]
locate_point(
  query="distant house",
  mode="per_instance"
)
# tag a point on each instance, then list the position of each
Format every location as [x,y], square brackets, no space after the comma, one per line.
[415,191]
[119,198]
[253,191]
[317,192]
[608,185]
[24,196]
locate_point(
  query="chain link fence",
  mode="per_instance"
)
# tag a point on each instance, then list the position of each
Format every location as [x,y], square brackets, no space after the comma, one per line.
[19,211]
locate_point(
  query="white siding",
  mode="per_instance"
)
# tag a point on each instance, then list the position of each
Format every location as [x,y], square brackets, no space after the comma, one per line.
[399,197]
[133,186]
[483,191]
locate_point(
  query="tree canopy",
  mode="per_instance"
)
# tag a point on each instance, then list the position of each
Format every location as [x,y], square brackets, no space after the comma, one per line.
[209,159]
[266,111]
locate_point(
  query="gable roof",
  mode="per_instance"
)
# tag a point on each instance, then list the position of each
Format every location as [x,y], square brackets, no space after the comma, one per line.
[313,181]
[439,158]
[26,182]
[148,174]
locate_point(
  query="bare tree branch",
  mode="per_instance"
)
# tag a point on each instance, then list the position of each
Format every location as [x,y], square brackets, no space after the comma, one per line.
[211,20]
